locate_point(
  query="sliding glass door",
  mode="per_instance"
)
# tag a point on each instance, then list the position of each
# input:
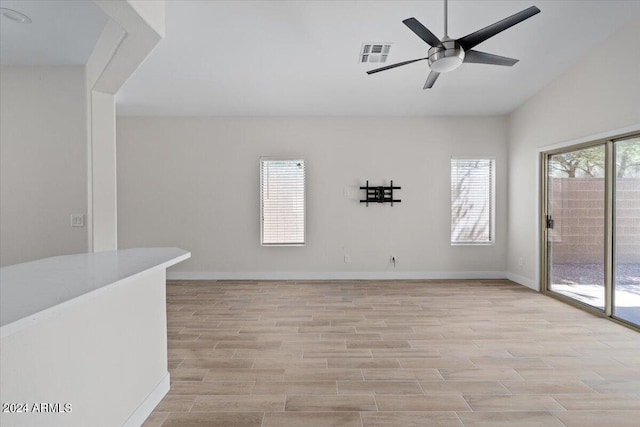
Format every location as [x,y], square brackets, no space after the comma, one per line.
[576,225]
[591,226]
[626,272]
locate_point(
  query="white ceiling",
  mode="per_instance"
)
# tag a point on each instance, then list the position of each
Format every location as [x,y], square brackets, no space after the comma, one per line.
[63,32]
[300,58]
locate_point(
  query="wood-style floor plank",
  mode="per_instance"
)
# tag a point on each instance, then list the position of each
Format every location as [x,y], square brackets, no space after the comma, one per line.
[392,353]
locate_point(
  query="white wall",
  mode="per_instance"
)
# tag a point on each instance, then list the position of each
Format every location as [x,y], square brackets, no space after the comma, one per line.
[58,140]
[193,183]
[43,161]
[598,95]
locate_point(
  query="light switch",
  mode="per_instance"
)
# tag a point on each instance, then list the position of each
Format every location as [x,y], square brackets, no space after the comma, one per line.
[77,220]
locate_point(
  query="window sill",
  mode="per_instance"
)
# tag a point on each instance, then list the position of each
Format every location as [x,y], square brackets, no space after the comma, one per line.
[473,244]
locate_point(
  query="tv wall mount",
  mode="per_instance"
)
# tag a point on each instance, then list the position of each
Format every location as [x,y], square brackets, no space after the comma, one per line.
[380,194]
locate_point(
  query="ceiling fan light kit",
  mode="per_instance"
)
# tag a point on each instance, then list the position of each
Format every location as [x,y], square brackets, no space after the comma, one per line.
[448,54]
[446,57]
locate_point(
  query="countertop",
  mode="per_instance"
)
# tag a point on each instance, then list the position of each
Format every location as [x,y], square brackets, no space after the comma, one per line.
[32,287]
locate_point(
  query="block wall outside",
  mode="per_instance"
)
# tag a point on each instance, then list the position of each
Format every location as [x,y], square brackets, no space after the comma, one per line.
[578,213]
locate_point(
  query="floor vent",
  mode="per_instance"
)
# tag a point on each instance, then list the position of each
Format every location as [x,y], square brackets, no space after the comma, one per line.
[374,52]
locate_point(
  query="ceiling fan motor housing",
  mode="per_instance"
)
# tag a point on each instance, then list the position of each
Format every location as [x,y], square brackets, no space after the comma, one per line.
[447,56]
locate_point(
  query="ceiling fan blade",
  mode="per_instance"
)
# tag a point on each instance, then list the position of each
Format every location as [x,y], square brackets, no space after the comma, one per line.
[433,76]
[422,31]
[399,64]
[476,57]
[469,41]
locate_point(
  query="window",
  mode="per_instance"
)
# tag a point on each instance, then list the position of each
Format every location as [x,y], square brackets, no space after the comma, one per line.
[282,207]
[472,200]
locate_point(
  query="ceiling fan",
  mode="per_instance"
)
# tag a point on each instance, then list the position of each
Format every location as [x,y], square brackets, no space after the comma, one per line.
[448,54]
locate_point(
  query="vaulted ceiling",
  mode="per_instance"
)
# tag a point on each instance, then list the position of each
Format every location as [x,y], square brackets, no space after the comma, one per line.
[300,58]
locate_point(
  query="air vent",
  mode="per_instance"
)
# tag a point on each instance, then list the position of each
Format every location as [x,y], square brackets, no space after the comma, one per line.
[374,52]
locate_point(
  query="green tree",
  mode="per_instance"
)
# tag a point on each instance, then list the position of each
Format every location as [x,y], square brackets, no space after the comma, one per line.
[628,158]
[582,163]
[590,161]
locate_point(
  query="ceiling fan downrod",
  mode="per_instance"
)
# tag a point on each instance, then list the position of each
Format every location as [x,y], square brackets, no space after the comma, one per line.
[446,56]
[446,17]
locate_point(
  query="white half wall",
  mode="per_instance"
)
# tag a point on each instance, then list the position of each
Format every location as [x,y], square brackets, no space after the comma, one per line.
[600,94]
[194,182]
[43,161]
[108,350]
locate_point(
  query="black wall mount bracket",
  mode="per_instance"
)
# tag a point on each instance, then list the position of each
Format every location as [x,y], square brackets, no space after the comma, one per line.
[380,194]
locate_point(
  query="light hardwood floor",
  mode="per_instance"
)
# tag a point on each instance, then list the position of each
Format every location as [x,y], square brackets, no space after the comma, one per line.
[392,353]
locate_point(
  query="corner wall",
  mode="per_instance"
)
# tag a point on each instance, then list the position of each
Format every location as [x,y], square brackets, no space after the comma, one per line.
[57,141]
[43,161]
[134,29]
[597,97]
[194,182]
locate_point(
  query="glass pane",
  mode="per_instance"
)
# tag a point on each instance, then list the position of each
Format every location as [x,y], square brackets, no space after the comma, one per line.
[576,191]
[626,302]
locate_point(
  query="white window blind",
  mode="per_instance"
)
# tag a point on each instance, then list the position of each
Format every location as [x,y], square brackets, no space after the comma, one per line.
[472,200]
[282,202]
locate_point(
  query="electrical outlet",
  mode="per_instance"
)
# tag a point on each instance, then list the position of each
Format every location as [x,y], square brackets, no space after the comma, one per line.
[77,220]
[393,260]
[346,192]
[347,258]
[520,263]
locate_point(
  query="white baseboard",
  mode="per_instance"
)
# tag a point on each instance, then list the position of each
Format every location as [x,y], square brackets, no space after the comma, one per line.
[340,275]
[145,408]
[525,281]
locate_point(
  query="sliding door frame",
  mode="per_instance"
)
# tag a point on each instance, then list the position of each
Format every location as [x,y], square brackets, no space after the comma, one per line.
[609,217]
